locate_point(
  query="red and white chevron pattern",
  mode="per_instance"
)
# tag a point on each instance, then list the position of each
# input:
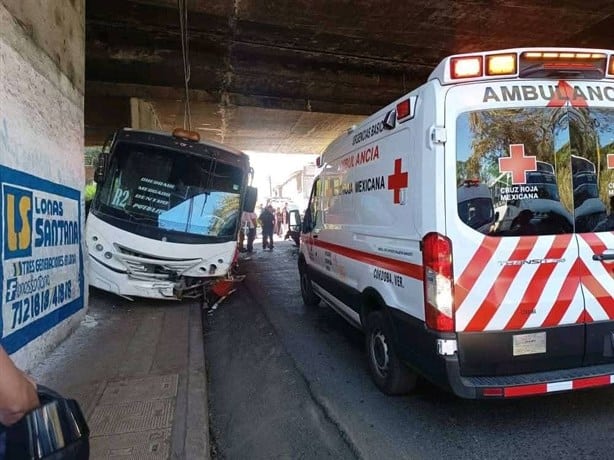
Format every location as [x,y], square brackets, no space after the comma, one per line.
[498,290]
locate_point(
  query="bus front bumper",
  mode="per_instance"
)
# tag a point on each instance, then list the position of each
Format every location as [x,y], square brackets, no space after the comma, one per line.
[123,285]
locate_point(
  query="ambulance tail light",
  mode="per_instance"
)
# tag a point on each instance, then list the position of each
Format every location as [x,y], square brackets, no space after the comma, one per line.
[611,66]
[438,282]
[403,109]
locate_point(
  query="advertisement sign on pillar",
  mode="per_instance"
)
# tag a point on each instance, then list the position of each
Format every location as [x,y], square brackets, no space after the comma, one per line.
[42,262]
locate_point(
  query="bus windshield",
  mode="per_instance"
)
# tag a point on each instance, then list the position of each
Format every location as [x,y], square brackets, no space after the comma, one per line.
[172,191]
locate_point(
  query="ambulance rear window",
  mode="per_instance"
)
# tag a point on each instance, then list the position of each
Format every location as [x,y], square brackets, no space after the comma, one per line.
[536,170]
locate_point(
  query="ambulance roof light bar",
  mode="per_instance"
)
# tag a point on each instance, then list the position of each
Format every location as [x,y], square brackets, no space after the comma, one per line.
[526,63]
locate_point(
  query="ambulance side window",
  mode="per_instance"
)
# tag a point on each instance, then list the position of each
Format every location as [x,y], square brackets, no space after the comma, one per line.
[317,205]
[312,214]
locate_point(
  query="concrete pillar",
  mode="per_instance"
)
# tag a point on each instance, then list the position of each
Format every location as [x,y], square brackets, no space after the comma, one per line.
[43,285]
[143,115]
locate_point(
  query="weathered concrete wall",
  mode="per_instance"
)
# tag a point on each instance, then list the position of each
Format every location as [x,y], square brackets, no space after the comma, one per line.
[42,276]
[57,27]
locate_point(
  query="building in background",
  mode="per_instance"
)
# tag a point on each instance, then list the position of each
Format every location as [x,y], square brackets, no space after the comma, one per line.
[273,176]
[297,186]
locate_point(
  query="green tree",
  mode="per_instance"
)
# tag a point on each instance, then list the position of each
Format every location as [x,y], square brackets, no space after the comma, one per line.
[495,130]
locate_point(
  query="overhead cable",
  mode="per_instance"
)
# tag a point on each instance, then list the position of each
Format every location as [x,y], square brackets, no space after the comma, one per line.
[185,49]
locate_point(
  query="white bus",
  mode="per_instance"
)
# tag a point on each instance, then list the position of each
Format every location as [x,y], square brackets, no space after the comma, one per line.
[165,217]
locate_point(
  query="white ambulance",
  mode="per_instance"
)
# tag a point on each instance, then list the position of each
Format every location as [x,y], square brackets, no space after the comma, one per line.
[487,311]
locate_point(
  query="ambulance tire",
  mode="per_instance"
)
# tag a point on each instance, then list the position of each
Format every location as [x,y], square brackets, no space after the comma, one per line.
[310,298]
[390,375]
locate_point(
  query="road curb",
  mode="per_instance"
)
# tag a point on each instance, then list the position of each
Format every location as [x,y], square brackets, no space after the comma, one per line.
[197,412]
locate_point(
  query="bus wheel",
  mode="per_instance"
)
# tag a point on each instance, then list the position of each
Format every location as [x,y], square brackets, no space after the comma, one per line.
[309,296]
[390,375]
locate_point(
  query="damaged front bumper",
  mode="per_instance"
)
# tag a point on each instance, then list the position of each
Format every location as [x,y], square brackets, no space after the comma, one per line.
[174,288]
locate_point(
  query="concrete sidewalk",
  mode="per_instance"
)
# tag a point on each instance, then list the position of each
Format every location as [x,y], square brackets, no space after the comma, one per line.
[138,371]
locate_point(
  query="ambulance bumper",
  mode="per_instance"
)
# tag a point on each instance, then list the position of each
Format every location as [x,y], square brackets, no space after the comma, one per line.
[435,356]
[534,384]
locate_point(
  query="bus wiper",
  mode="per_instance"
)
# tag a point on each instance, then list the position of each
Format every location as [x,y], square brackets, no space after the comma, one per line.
[205,202]
[137,218]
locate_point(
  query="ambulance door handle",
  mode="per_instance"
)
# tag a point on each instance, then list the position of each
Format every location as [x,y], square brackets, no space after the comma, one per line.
[608,255]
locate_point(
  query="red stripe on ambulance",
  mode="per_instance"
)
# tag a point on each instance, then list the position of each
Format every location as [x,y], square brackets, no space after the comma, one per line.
[553,387]
[579,276]
[599,292]
[397,266]
[564,298]
[474,268]
[538,283]
[590,281]
[497,292]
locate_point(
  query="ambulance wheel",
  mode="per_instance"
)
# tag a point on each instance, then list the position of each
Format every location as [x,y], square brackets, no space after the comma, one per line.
[309,296]
[390,375]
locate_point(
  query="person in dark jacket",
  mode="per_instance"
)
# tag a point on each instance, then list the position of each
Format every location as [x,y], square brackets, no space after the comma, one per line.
[267,220]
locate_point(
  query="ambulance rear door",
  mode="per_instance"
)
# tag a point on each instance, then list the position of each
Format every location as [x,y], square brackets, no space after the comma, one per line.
[519,304]
[591,131]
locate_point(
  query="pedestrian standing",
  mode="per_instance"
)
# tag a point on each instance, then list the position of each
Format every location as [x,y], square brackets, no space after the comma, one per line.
[251,220]
[267,220]
[278,220]
[285,219]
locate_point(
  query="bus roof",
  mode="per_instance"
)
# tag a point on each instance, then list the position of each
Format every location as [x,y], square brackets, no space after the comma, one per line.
[165,139]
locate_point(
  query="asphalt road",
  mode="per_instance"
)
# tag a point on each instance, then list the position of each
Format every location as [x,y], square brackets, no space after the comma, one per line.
[287,381]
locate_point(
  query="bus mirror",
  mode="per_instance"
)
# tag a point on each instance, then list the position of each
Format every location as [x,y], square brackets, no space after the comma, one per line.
[251,196]
[101,168]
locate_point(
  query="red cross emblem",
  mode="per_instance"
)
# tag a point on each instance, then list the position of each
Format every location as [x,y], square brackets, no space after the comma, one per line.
[518,164]
[610,160]
[564,94]
[398,180]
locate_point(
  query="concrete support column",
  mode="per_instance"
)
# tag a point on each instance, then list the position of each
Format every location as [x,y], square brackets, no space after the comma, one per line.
[143,115]
[42,253]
